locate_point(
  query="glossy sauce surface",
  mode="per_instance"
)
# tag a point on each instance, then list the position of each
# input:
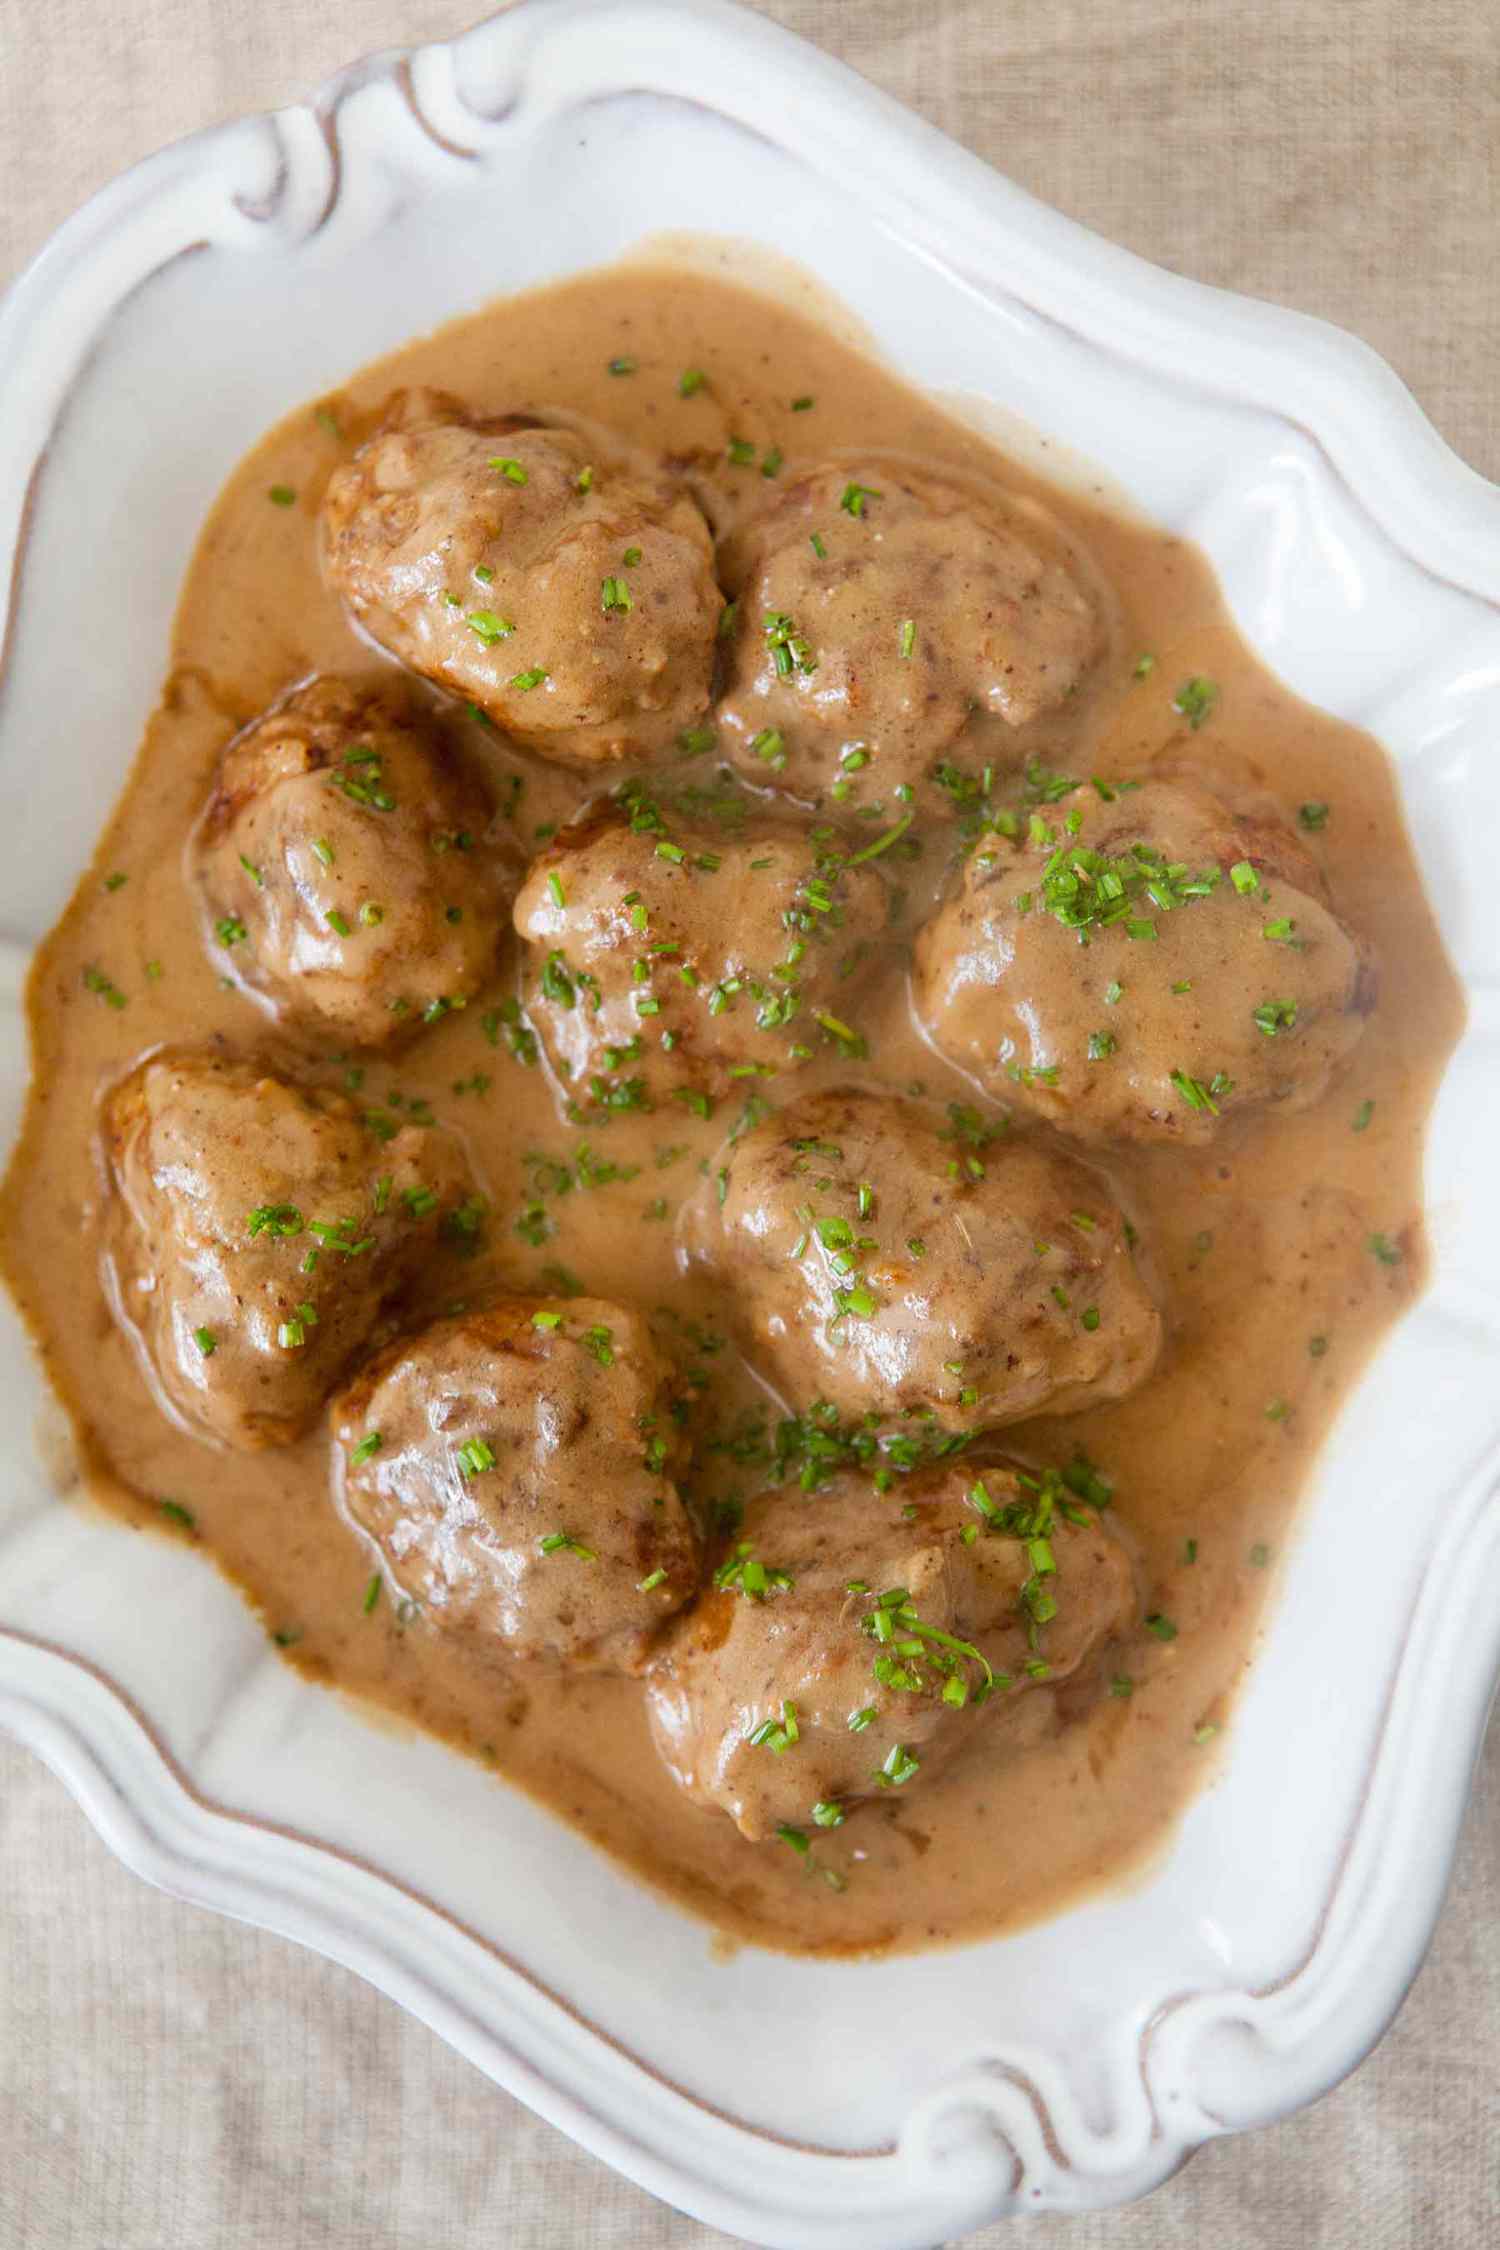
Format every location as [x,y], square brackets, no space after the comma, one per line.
[1281,1251]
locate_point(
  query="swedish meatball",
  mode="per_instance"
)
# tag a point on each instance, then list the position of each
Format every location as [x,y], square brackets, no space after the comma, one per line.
[346,866]
[514,1468]
[877,606]
[847,1649]
[256,1232]
[667,953]
[1144,966]
[881,1261]
[562,584]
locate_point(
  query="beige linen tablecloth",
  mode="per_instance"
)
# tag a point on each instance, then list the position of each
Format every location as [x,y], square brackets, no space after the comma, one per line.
[171,2082]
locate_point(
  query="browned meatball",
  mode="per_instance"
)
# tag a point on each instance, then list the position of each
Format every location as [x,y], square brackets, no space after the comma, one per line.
[347,868]
[666,952]
[514,1468]
[1144,966]
[850,1649]
[877,607]
[255,1234]
[560,583]
[882,1262]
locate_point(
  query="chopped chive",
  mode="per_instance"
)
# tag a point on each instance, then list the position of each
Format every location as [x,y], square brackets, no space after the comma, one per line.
[488,628]
[882,843]
[1273,1017]
[275,1218]
[563,1543]
[1195,700]
[109,992]
[899,1767]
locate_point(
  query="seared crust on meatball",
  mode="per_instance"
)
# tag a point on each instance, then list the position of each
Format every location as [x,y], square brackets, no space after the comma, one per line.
[1144,967]
[347,868]
[883,1261]
[878,605]
[255,1234]
[556,580]
[514,1466]
[852,1647]
[666,952]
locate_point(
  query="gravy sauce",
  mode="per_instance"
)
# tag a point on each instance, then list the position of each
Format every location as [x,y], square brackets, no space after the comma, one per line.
[1261,1244]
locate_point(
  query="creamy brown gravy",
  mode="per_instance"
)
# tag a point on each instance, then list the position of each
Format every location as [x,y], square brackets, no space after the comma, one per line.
[1261,1243]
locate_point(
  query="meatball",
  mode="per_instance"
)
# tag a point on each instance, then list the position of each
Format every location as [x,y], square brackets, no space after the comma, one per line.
[880,1261]
[666,953]
[346,868]
[848,1649]
[257,1231]
[513,1467]
[564,586]
[1144,965]
[877,607]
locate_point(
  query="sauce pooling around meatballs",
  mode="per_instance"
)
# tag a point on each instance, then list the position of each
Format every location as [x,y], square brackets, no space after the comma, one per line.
[728,1104]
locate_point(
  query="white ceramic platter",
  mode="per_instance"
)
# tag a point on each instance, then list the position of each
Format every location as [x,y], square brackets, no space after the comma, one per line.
[887,2104]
